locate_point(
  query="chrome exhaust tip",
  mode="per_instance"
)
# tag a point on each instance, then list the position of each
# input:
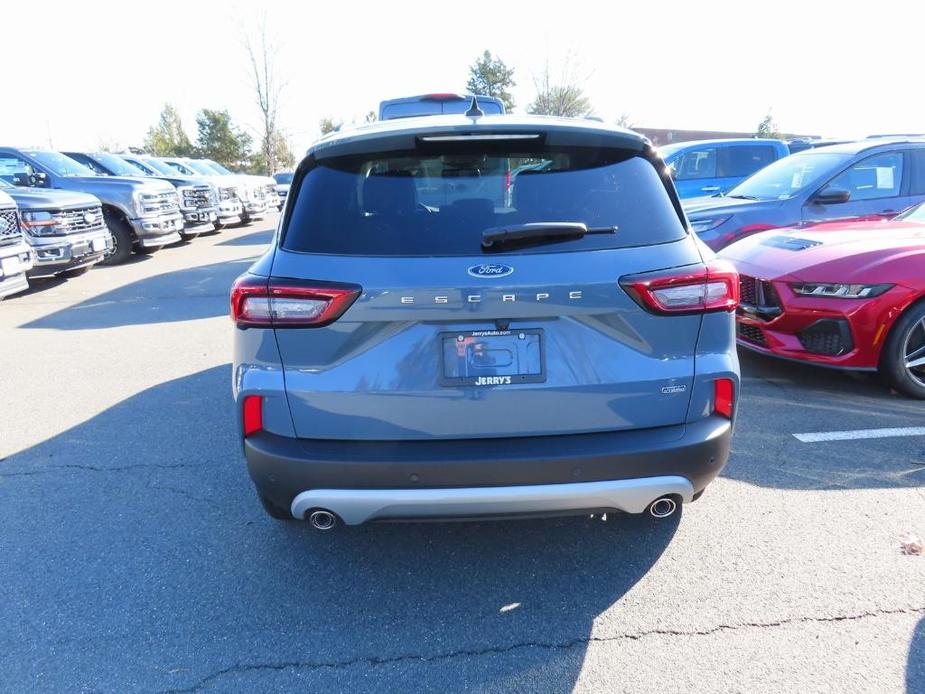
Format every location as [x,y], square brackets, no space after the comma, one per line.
[322,520]
[663,507]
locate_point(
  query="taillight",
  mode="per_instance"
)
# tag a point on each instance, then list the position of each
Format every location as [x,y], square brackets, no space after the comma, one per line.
[724,397]
[711,287]
[253,414]
[258,302]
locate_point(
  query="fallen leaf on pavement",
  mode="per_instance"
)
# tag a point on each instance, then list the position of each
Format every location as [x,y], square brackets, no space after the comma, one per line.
[910,544]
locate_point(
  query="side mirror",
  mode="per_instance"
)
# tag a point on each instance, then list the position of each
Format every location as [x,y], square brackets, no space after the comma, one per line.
[831,196]
[22,179]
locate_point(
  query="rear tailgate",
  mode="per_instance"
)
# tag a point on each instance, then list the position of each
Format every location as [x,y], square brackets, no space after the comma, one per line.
[381,371]
[450,337]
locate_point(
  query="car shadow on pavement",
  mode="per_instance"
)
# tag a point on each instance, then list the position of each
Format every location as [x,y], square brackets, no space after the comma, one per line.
[915,668]
[138,558]
[257,238]
[780,399]
[197,292]
[41,284]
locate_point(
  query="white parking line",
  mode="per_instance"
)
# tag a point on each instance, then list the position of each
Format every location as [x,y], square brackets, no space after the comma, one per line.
[860,434]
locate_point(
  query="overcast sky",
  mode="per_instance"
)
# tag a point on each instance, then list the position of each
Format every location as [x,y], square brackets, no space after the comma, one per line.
[82,74]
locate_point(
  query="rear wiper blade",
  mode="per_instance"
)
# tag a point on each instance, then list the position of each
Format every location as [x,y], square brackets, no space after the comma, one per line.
[540,231]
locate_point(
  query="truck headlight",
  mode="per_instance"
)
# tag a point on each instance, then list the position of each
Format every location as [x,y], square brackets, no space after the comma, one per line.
[39,223]
[840,291]
[182,192]
[138,198]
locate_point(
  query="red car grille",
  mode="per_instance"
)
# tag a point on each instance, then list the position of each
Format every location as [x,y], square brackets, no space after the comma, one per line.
[758,298]
[750,333]
[828,336]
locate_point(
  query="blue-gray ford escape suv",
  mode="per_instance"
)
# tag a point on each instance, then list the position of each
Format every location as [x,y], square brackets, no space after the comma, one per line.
[423,340]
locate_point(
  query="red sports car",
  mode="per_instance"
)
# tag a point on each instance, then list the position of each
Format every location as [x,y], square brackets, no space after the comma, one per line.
[842,295]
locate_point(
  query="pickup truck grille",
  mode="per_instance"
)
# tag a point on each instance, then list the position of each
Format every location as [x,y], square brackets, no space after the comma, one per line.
[82,219]
[160,202]
[198,197]
[227,193]
[9,227]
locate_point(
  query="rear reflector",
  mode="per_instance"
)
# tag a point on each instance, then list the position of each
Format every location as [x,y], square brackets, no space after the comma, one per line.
[253,414]
[258,302]
[711,287]
[479,137]
[724,399]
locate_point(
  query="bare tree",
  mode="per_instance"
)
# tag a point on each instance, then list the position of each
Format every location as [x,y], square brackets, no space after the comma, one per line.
[263,51]
[564,96]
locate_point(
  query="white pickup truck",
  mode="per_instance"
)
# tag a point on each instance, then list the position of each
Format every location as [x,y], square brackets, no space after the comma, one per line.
[15,253]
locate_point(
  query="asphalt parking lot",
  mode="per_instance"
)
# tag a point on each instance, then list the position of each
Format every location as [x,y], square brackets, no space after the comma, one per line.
[134,556]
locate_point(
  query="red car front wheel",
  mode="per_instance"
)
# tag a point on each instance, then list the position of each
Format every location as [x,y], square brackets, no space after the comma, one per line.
[903,360]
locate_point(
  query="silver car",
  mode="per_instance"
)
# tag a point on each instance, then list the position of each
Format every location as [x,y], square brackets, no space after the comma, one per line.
[66,230]
[15,254]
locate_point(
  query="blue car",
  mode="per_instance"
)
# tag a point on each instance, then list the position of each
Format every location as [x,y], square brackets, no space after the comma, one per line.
[858,181]
[568,350]
[710,167]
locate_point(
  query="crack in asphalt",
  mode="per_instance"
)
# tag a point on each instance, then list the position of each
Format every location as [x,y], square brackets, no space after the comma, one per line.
[563,645]
[185,493]
[49,469]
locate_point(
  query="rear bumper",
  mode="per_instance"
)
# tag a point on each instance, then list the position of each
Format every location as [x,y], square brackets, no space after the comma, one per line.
[379,479]
[355,506]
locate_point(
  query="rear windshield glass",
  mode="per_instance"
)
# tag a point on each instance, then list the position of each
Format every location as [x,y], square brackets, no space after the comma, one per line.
[439,203]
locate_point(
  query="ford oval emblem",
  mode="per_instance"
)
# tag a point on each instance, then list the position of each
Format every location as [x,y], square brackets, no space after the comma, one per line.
[490,270]
[89,218]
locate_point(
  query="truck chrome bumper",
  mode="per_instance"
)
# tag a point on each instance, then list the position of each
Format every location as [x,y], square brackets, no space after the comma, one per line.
[199,221]
[60,253]
[158,231]
[255,210]
[355,506]
[15,261]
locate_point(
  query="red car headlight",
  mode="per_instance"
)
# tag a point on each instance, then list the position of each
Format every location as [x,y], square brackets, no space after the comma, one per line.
[840,291]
